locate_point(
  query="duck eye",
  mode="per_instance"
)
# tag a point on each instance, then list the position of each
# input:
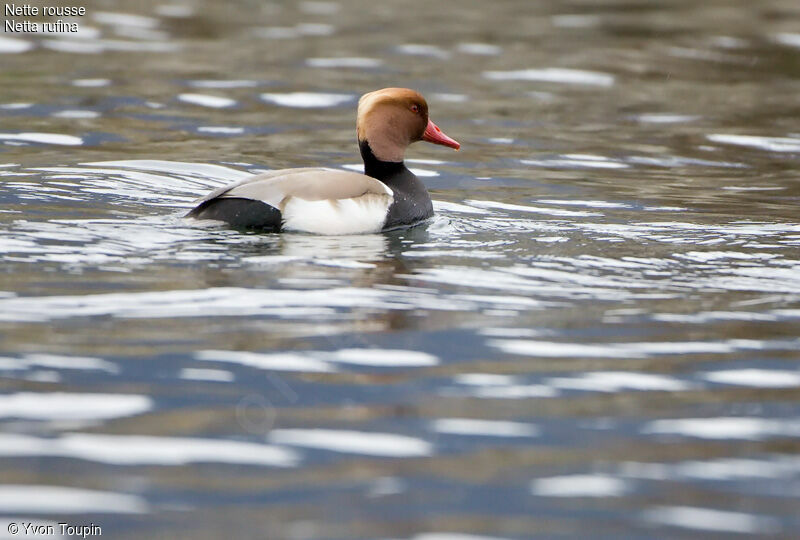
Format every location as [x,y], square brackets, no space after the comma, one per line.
[415,108]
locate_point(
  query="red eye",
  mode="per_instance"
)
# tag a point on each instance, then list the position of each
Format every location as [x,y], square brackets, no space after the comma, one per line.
[415,108]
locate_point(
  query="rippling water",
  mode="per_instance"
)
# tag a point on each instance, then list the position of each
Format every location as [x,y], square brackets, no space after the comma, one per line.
[597,335]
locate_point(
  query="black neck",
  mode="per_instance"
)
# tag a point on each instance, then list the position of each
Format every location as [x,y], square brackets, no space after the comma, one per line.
[374,167]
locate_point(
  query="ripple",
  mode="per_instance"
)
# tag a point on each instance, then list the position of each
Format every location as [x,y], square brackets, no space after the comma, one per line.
[291,32]
[221,130]
[790,40]
[576,21]
[177,11]
[453,536]
[16,106]
[204,100]
[307,99]
[14,46]
[615,381]
[269,361]
[146,450]
[384,357]
[77,114]
[576,161]
[43,138]
[353,442]
[219,302]
[61,362]
[73,46]
[636,350]
[41,499]
[773,144]
[418,49]
[91,83]
[223,83]
[486,428]
[124,19]
[534,209]
[317,7]
[480,49]
[761,378]
[72,406]
[345,62]
[554,75]
[580,485]
[202,374]
[747,428]
[707,519]
[666,118]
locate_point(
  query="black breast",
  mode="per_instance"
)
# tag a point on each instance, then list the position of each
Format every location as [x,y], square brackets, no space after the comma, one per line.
[412,203]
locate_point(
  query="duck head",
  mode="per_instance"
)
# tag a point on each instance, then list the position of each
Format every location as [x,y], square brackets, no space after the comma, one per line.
[392,118]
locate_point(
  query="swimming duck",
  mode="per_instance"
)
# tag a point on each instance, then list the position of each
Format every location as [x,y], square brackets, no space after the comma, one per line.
[330,201]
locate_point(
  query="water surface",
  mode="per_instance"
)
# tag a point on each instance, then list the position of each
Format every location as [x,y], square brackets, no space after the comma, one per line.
[596,336]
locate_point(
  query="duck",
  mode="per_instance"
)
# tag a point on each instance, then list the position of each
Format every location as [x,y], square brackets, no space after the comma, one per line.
[335,202]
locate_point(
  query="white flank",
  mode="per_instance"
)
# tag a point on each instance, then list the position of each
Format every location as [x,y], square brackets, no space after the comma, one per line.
[363,214]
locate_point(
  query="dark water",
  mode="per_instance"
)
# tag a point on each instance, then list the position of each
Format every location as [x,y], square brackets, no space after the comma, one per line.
[597,336]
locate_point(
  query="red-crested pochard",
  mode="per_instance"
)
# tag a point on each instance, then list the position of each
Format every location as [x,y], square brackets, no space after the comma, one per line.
[329,201]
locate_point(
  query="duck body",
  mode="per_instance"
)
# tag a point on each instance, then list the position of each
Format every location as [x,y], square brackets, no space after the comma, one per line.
[332,201]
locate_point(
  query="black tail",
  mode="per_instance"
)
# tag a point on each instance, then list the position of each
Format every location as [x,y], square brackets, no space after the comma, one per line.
[240,213]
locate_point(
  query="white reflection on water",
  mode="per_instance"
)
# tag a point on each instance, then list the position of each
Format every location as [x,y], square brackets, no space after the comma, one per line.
[58,362]
[480,49]
[748,428]
[580,485]
[43,138]
[638,350]
[147,450]
[216,302]
[203,374]
[270,361]
[576,161]
[608,381]
[383,357]
[420,49]
[453,536]
[322,362]
[487,428]
[788,39]
[534,209]
[355,62]
[223,83]
[124,19]
[307,99]
[76,114]
[205,100]
[293,32]
[760,378]
[72,406]
[353,442]
[13,45]
[708,519]
[554,75]
[39,499]
[723,469]
[773,144]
